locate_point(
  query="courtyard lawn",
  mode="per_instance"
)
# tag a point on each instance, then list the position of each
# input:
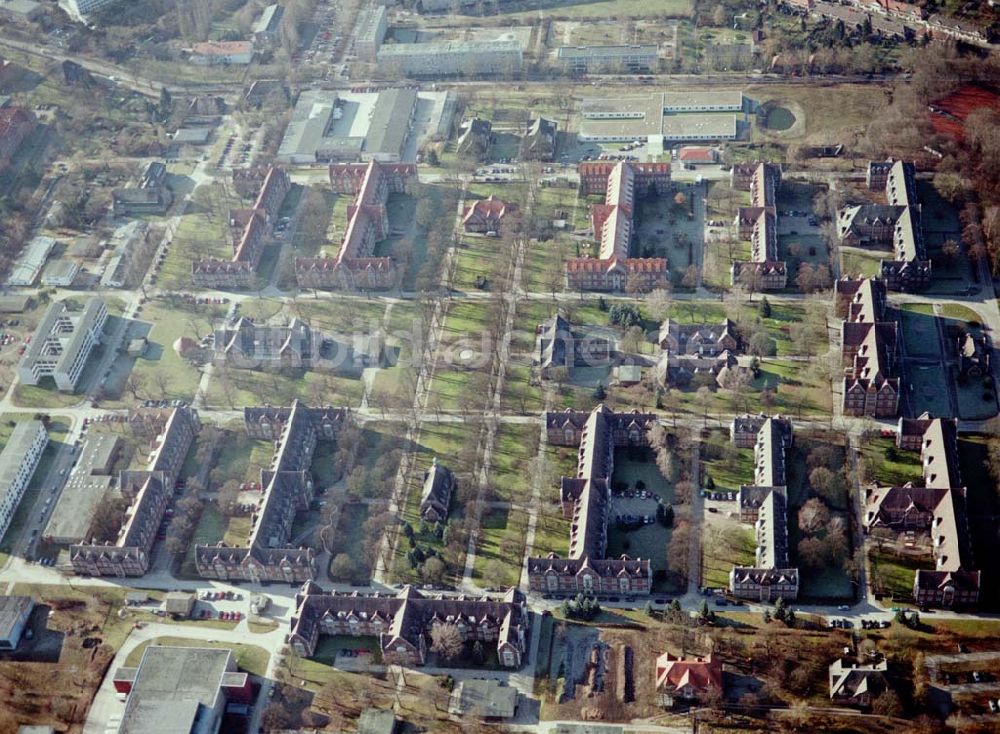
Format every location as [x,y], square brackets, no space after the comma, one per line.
[453,389]
[343,315]
[475,259]
[925,384]
[728,466]
[856,261]
[210,530]
[240,457]
[348,539]
[892,576]
[724,545]
[920,330]
[465,319]
[161,372]
[614,9]
[500,548]
[201,232]
[887,464]
[234,387]
[959,312]
[329,647]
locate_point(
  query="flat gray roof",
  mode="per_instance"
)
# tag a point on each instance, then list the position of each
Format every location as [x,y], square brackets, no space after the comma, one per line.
[84,490]
[193,135]
[369,21]
[725,97]
[390,121]
[53,328]
[11,609]
[14,304]
[484,698]
[590,52]
[29,263]
[270,19]
[310,120]
[172,683]
[437,48]
[19,7]
[707,126]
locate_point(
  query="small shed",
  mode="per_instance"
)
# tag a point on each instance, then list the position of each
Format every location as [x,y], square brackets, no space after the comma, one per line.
[628,374]
[178,603]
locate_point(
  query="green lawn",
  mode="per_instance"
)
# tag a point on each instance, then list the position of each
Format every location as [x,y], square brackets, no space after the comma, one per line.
[729,471]
[731,545]
[514,453]
[233,388]
[500,548]
[902,467]
[855,261]
[519,395]
[893,576]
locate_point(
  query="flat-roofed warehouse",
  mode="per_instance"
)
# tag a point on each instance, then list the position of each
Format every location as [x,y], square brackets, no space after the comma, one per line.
[86,486]
[333,126]
[329,126]
[670,116]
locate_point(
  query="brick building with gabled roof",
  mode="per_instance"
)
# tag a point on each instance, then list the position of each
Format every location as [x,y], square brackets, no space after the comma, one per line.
[254,226]
[586,502]
[485,215]
[16,124]
[148,492]
[765,505]
[435,497]
[939,506]
[403,623]
[622,183]
[896,224]
[758,223]
[687,679]
[355,267]
[870,339]
[288,489]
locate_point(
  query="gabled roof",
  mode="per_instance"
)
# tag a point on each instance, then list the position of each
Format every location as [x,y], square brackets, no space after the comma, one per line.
[702,674]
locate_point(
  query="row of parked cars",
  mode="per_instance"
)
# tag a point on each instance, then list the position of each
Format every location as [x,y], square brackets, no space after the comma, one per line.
[225,616]
[221,595]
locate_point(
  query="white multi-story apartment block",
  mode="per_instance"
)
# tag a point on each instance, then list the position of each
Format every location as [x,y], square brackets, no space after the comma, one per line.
[62,344]
[17,464]
[371,29]
[452,58]
[80,9]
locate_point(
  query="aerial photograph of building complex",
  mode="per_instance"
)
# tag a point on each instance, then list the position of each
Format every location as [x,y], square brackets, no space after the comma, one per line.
[483,366]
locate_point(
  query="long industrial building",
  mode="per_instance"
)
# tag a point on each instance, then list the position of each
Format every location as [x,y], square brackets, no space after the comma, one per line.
[330,126]
[670,116]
